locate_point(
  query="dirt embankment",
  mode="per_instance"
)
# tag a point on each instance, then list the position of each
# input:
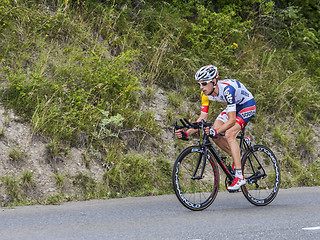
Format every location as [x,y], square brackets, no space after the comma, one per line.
[23,154]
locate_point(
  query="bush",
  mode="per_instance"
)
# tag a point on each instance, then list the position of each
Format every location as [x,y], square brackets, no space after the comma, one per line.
[137,173]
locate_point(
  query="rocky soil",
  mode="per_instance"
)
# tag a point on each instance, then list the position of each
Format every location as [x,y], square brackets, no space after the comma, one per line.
[22,152]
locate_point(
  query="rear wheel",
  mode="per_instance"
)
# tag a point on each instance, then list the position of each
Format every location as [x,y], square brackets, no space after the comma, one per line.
[262,173]
[194,191]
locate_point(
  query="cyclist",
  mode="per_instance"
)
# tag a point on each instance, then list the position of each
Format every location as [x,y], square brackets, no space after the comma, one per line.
[241,107]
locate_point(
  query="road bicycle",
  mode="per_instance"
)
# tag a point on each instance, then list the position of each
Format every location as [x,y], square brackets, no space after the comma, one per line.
[195,175]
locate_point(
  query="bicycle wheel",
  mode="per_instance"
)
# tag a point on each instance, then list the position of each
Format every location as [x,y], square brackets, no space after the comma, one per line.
[262,173]
[194,191]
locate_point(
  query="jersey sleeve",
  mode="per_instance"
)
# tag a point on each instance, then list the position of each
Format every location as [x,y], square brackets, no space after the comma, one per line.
[229,95]
[204,103]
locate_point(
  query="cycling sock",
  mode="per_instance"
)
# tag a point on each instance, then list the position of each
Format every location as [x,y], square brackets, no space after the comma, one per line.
[238,173]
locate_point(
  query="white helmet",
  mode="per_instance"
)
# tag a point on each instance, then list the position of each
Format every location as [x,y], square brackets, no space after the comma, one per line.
[206,73]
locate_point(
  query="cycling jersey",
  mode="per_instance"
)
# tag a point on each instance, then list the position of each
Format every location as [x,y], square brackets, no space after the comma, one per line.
[238,100]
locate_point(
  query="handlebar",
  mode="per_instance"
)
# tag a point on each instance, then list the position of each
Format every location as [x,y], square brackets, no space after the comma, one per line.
[199,125]
[195,125]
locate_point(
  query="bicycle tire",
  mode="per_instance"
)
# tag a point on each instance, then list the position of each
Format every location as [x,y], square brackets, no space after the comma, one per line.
[263,182]
[195,194]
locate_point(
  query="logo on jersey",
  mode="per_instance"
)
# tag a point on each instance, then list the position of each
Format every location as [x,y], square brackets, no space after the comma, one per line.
[228,96]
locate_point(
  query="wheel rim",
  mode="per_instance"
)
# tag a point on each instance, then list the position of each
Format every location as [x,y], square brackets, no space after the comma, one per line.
[263,184]
[195,193]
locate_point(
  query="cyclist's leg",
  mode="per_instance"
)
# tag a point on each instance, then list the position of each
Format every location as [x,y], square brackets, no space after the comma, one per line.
[231,139]
[244,113]
[220,140]
[230,145]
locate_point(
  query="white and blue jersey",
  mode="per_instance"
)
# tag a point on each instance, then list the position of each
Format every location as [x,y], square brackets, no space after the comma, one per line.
[238,100]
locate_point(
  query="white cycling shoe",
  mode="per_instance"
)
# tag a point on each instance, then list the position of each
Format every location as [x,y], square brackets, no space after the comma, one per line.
[237,183]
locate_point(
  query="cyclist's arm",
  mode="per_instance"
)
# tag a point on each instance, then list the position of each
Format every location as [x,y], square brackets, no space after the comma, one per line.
[229,95]
[203,116]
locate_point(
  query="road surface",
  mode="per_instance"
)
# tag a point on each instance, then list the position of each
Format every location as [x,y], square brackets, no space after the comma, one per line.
[294,214]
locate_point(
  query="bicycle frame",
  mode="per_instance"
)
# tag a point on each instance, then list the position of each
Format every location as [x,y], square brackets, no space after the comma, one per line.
[206,145]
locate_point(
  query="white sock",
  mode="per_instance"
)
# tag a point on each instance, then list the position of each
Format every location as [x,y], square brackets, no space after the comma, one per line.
[238,173]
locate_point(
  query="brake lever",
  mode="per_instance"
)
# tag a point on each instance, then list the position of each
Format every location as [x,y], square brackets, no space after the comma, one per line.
[177,127]
[203,124]
[206,124]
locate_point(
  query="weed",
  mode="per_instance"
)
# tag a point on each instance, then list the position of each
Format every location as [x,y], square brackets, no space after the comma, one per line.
[55,199]
[304,141]
[86,185]
[147,95]
[17,155]
[107,125]
[13,188]
[56,149]
[314,169]
[27,178]
[133,173]
[59,180]
[174,99]
[2,132]
[86,160]
[281,136]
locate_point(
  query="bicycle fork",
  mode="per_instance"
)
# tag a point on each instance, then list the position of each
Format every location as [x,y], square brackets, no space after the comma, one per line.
[204,155]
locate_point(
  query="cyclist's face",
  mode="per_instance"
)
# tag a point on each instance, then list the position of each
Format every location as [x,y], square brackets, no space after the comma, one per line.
[207,86]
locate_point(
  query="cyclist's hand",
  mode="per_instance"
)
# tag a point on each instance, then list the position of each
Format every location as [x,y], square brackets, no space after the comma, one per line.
[181,134]
[210,131]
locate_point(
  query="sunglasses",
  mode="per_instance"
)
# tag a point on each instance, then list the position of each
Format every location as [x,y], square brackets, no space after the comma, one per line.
[204,83]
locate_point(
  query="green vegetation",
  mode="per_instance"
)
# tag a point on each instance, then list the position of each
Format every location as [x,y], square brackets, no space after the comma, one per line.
[80,71]
[18,189]
[17,155]
[136,174]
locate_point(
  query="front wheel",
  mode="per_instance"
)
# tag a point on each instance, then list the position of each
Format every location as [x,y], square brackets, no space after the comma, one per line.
[262,173]
[195,179]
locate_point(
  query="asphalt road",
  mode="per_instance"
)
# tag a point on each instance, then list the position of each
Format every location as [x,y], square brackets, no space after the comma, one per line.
[294,214]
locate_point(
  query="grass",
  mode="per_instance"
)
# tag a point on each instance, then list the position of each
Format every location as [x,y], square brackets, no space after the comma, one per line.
[60,178]
[18,189]
[17,155]
[281,136]
[27,178]
[134,173]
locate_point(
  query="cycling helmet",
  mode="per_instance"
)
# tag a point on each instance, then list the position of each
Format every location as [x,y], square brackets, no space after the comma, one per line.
[206,73]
